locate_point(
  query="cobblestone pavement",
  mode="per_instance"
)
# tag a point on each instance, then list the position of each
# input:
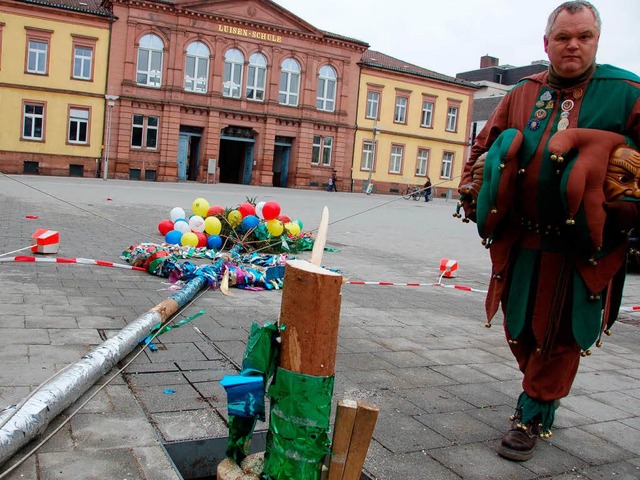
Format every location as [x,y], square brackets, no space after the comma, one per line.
[444,383]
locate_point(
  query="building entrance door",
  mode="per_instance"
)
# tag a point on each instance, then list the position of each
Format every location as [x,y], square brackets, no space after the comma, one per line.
[236,155]
[189,153]
[281,155]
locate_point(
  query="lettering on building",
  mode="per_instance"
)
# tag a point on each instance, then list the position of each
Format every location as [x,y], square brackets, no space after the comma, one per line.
[245,32]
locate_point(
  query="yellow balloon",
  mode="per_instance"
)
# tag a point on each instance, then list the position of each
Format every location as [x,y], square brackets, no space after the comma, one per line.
[275,227]
[234,218]
[189,239]
[200,207]
[212,225]
[292,228]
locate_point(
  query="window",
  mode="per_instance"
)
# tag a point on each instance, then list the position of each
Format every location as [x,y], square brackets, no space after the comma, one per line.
[395,162]
[33,121]
[150,61]
[144,132]
[367,155]
[2,24]
[256,77]
[37,57]
[78,125]
[321,151]
[196,68]
[447,165]
[452,119]
[373,102]
[427,114]
[233,64]
[82,61]
[289,83]
[400,115]
[422,162]
[326,99]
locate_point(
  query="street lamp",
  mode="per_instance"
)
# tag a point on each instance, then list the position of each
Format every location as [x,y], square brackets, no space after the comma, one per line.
[111,101]
[373,159]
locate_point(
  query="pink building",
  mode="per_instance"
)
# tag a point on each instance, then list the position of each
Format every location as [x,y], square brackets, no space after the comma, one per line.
[245,86]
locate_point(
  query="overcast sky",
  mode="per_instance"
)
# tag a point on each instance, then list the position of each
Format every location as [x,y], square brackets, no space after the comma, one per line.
[450,36]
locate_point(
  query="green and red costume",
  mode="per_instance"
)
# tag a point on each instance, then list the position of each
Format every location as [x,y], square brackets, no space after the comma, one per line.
[552,281]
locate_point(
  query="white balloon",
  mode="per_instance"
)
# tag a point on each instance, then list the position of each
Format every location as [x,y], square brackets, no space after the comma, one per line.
[196,223]
[176,213]
[182,226]
[259,206]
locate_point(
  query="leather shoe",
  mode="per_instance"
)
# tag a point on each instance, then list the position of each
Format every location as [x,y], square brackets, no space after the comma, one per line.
[518,443]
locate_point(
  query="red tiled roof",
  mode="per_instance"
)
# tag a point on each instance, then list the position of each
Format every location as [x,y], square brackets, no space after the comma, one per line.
[88,6]
[371,58]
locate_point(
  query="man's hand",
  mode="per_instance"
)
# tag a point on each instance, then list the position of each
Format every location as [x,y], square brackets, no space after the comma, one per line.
[470,190]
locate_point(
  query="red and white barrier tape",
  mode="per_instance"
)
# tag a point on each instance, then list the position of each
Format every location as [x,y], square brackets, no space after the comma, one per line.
[457,287]
[632,309]
[80,261]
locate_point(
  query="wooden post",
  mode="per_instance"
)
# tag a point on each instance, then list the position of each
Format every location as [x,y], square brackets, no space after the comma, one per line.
[363,427]
[310,314]
[342,428]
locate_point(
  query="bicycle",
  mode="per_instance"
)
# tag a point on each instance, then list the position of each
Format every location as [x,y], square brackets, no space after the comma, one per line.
[412,191]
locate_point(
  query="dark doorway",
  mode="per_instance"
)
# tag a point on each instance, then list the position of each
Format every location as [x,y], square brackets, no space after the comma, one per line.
[281,154]
[189,153]
[236,155]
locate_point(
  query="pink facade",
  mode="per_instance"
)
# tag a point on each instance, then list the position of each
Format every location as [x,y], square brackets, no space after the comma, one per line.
[247,86]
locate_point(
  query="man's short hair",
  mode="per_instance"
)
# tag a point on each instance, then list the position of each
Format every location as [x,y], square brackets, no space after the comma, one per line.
[574,6]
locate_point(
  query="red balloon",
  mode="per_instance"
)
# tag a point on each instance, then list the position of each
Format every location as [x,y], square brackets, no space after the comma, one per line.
[165,226]
[202,239]
[246,209]
[270,210]
[215,210]
[284,218]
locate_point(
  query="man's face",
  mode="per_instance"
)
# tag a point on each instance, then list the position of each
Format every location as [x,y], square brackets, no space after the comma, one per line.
[572,43]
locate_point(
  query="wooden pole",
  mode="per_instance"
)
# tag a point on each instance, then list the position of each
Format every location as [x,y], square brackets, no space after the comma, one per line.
[342,428]
[363,427]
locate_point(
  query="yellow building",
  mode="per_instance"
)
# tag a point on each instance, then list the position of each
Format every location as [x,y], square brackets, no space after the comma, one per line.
[53,69]
[412,123]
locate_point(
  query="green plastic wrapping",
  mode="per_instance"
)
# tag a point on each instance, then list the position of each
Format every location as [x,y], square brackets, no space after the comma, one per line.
[298,439]
[240,433]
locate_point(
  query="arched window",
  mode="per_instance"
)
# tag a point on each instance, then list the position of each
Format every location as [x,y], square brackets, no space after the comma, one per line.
[256,77]
[289,82]
[196,68]
[233,63]
[149,70]
[326,99]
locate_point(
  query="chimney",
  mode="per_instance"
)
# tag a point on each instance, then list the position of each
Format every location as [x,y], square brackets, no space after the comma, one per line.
[488,61]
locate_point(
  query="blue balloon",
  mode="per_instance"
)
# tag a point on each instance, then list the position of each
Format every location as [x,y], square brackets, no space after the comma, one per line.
[249,222]
[214,241]
[173,237]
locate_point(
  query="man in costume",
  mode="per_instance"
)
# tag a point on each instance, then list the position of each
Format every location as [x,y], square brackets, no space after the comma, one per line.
[557,236]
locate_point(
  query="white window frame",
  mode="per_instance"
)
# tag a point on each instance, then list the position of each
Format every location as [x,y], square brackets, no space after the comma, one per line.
[148,129]
[422,162]
[327,150]
[82,63]
[198,53]
[256,77]
[38,55]
[395,159]
[78,117]
[322,150]
[289,82]
[366,162]
[35,118]
[373,104]
[452,118]
[426,119]
[400,111]
[447,165]
[327,81]
[233,66]
[153,46]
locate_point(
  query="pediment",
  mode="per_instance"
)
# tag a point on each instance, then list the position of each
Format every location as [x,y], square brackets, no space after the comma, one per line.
[259,12]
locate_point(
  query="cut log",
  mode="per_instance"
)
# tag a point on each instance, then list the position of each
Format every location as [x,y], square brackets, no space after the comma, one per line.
[343,426]
[363,427]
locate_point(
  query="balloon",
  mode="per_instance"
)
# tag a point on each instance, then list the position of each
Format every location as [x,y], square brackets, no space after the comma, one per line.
[284,218]
[270,210]
[181,225]
[189,239]
[196,223]
[299,223]
[234,218]
[259,206]
[214,241]
[250,222]
[173,237]
[200,207]
[202,239]
[212,225]
[215,210]
[176,213]
[165,226]
[246,209]
[292,228]
[275,227]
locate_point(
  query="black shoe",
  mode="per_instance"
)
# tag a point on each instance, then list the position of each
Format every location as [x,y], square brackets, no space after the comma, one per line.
[518,443]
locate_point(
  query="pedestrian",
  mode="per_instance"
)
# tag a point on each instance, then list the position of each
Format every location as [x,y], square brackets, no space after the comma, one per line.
[427,189]
[552,283]
[333,182]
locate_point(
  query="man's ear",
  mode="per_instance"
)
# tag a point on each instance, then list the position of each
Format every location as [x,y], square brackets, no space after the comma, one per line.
[546,44]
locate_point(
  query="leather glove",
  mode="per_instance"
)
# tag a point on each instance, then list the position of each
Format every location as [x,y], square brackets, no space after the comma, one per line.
[469,191]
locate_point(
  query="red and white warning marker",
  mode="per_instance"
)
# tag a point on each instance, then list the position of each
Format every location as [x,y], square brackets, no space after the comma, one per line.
[46,241]
[448,267]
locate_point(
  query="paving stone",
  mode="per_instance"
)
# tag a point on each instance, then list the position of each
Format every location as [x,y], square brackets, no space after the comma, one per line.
[616,433]
[478,394]
[435,400]
[170,398]
[590,448]
[592,408]
[617,470]
[407,434]
[154,463]
[190,424]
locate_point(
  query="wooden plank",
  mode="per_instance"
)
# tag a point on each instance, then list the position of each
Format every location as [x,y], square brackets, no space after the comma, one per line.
[343,426]
[363,427]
